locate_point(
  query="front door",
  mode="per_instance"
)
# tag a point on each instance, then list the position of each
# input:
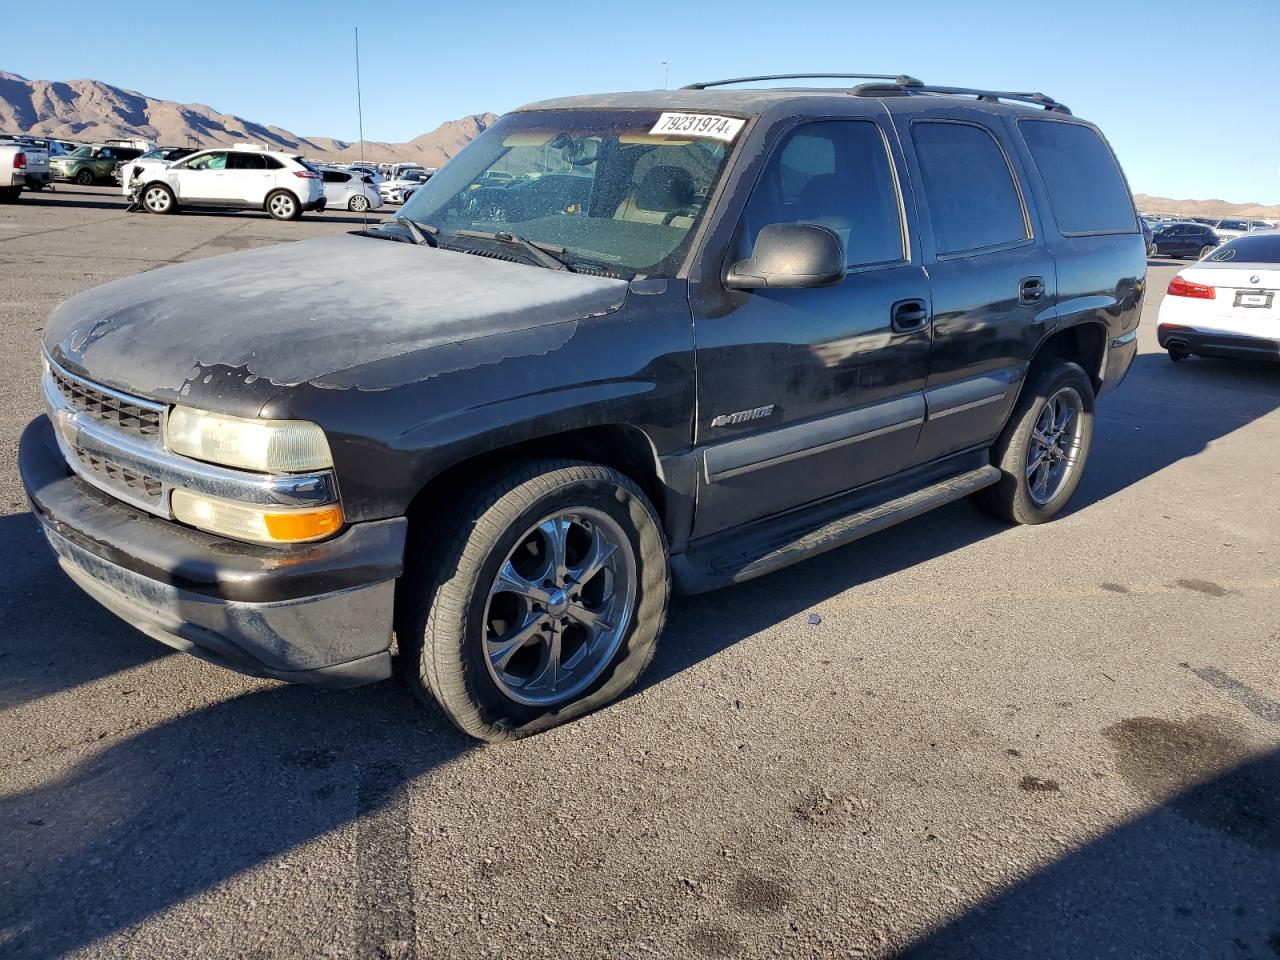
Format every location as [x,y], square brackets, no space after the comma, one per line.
[204,177]
[804,394]
[994,283]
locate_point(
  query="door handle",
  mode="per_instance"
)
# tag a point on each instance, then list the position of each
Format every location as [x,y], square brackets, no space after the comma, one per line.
[909,315]
[1031,290]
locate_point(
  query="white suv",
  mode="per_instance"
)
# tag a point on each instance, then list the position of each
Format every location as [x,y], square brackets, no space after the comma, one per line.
[236,178]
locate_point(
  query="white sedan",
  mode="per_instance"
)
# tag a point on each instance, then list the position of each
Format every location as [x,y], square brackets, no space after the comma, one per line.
[1228,304]
[394,191]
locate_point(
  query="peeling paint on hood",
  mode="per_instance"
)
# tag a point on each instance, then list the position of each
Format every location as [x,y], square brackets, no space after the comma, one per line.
[322,311]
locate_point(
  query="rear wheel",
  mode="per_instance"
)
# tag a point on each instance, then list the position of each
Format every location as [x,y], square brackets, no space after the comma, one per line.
[283,205]
[85,178]
[358,204]
[1042,451]
[158,199]
[544,603]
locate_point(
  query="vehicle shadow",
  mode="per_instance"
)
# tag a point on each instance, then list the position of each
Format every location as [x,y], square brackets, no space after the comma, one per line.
[156,818]
[43,199]
[55,637]
[1197,876]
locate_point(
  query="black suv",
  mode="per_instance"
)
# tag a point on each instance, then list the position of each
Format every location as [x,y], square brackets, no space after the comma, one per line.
[619,343]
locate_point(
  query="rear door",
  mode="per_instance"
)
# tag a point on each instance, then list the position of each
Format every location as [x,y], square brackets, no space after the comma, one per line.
[248,179]
[804,394]
[993,282]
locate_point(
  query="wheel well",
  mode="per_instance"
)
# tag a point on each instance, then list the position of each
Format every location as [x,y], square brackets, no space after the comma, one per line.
[625,449]
[1084,343]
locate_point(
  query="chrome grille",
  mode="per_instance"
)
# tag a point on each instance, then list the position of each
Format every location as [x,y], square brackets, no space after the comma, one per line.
[120,477]
[136,418]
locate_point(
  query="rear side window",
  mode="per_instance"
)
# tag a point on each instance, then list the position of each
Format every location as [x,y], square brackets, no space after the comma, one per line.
[835,173]
[1085,187]
[332,176]
[972,199]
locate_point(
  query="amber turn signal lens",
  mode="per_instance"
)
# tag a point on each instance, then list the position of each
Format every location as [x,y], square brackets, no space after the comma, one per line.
[303,525]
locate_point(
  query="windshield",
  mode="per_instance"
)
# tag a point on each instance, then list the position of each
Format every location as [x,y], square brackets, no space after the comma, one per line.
[1257,248]
[596,184]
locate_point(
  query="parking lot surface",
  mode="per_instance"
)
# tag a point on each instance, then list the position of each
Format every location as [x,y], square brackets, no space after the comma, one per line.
[1054,741]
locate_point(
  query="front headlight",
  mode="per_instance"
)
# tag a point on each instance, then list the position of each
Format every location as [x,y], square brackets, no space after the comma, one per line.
[268,446]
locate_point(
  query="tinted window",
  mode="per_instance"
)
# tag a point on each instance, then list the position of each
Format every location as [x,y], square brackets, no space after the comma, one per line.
[1086,190]
[332,176]
[1257,248]
[972,199]
[1233,225]
[837,174]
[246,161]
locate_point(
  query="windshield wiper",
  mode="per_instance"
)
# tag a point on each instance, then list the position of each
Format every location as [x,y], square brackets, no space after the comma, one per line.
[542,254]
[421,232]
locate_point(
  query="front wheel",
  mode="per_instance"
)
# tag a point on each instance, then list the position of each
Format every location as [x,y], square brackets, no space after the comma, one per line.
[283,205]
[543,600]
[1206,250]
[158,199]
[85,178]
[1042,451]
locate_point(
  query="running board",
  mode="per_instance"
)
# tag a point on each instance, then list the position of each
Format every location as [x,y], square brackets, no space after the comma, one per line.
[719,565]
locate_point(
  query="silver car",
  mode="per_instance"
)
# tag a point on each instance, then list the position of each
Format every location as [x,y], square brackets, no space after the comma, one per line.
[350,190]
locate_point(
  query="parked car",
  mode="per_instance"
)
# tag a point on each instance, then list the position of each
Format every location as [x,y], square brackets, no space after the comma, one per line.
[1230,228]
[1148,237]
[397,189]
[13,171]
[350,190]
[1185,240]
[37,151]
[92,164]
[128,170]
[488,433]
[237,178]
[369,169]
[1228,304]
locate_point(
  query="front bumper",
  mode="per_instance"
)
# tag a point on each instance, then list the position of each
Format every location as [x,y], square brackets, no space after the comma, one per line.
[317,613]
[1214,343]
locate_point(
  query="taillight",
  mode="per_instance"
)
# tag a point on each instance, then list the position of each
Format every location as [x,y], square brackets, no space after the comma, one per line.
[19,161]
[1181,287]
[306,175]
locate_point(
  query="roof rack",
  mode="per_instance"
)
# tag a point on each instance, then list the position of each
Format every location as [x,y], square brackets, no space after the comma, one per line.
[899,80]
[991,96]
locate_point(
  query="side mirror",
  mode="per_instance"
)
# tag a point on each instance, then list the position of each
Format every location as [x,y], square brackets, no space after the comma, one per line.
[788,256]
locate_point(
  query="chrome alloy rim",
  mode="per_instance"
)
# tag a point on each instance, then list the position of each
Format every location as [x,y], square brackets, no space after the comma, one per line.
[281,205]
[157,200]
[559,607]
[1054,448]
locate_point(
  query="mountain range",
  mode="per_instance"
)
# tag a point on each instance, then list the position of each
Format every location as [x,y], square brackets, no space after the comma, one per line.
[93,110]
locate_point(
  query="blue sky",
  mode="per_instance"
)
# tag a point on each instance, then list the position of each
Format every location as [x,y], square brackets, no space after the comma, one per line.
[1186,92]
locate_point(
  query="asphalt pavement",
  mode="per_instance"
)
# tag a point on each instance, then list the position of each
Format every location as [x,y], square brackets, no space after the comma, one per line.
[1056,742]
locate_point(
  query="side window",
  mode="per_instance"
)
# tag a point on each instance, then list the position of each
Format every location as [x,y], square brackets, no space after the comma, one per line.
[209,161]
[972,199]
[332,176]
[246,161]
[835,173]
[1085,187]
[271,163]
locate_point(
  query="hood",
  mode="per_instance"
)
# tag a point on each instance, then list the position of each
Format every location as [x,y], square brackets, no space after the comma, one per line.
[323,311]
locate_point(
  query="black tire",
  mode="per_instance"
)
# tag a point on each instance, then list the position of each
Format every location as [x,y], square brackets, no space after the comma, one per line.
[358,204]
[10,194]
[1011,498]
[85,178]
[443,599]
[283,205]
[157,198]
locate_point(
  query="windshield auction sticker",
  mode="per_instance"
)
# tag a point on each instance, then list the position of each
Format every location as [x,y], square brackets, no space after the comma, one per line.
[698,125]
